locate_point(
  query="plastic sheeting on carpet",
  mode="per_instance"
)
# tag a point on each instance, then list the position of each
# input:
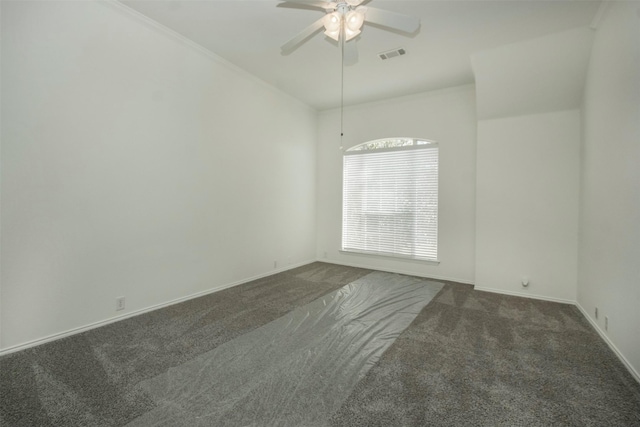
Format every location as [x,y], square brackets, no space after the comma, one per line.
[296,370]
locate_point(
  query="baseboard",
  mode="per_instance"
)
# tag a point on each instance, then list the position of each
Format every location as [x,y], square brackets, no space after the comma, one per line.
[105,322]
[393,270]
[611,345]
[524,295]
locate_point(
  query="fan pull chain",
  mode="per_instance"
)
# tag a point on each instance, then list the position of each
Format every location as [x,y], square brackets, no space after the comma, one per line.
[342,37]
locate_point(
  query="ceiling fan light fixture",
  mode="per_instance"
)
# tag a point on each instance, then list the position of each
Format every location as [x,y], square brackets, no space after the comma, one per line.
[354,20]
[332,23]
[348,35]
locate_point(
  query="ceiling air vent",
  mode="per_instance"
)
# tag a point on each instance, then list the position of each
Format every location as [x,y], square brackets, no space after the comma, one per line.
[392,53]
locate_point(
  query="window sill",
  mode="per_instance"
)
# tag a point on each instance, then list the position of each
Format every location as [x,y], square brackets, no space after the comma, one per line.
[391,256]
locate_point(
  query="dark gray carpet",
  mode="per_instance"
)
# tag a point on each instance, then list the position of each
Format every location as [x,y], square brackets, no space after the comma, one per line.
[296,370]
[91,379]
[480,359]
[469,358]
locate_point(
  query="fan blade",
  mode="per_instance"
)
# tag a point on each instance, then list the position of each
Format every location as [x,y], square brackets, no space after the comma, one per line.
[396,21]
[292,44]
[350,53]
[309,4]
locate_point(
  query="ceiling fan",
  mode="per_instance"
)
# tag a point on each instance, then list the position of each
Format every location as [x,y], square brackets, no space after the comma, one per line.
[342,22]
[344,19]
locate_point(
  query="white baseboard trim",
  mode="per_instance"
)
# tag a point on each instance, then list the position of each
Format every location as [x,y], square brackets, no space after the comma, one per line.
[525,295]
[394,270]
[105,322]
[611,345]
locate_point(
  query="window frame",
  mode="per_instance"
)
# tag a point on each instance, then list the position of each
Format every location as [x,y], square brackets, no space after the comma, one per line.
[428,255]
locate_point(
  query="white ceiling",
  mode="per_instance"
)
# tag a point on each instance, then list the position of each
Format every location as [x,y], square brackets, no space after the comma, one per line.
[249,33]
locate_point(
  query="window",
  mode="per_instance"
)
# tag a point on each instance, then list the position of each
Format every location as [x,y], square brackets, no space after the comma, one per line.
[390,198]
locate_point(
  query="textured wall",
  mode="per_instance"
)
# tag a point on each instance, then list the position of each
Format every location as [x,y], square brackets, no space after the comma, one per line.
[136,164]
[609,271]
[527,204]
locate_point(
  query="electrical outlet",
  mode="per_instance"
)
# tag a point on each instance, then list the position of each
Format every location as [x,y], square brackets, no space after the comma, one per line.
[596,312]
[119,303]
[275,264]
[606,323]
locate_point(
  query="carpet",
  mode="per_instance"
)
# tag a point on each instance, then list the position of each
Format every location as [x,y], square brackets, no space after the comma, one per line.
[296,370]
[468,358]
[475,358]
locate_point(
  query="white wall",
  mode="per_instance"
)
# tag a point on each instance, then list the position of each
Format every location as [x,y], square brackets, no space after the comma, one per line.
[533,76]
[527,204]
[135,164]
[446,116]
[609,254]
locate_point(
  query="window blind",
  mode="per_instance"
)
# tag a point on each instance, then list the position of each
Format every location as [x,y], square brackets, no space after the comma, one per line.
[390,202]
